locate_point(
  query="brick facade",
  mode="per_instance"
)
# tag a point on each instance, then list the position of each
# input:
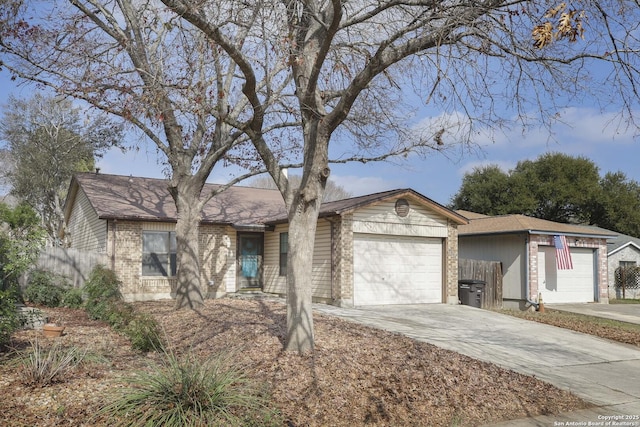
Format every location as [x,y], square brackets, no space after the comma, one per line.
[600,245]
[218,263]
[451,264]
[124,251]
[342,274]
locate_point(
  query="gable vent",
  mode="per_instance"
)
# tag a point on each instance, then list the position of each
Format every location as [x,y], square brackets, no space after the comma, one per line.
[402,207]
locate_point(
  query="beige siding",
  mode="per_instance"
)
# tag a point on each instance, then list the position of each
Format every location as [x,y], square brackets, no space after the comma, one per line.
[321,271]
[85,230]
[273,282]
[510,250]
[322,261]
[382,219]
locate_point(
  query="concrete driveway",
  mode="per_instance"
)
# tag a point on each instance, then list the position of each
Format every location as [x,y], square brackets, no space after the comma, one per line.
[623,312]
[600,371]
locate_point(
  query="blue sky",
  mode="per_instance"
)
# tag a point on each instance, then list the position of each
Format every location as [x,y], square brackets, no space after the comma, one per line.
[588,133]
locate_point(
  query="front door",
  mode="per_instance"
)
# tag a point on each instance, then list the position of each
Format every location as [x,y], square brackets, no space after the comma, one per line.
[250,251]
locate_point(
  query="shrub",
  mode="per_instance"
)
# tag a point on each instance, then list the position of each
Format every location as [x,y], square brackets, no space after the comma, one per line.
[144,333]
[118,314]
[9,317]
[72,298]
[187,391]
[102,288]
[45,289]
[42,367]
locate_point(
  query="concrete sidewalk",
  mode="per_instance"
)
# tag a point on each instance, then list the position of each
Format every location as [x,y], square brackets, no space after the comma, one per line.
[623,312]
[600,371]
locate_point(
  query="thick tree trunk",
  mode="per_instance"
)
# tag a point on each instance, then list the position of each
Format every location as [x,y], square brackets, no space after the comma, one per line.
[188,292]
[302,232]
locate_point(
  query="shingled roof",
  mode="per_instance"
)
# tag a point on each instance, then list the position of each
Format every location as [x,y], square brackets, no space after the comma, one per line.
[508,224]
[148,199]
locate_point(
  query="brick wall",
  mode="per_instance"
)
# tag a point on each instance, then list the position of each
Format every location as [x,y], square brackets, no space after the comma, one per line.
[214,246]
[342,280]
[602,266]
[451,264]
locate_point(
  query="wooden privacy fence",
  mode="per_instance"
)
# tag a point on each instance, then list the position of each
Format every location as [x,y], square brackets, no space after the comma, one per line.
[489,272]
[75,265]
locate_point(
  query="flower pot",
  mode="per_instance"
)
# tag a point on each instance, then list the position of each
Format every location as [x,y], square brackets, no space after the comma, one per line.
[51,330]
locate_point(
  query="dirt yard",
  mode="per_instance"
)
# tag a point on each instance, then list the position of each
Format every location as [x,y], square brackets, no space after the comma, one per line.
[356,376]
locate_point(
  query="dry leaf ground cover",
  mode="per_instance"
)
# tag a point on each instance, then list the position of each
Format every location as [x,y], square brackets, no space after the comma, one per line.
[628,333]
[356,376]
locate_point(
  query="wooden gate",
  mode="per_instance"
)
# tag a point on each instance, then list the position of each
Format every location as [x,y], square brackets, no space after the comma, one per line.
[489,272]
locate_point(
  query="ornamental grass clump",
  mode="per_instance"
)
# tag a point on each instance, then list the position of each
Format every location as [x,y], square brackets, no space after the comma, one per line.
[43,366]
[188,391]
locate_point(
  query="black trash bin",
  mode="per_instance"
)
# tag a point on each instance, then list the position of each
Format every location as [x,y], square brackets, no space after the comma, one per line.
[470,292]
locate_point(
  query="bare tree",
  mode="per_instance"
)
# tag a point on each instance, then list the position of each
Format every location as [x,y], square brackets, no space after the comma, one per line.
[141,63]
[352,62]
[332,191]
[339,71]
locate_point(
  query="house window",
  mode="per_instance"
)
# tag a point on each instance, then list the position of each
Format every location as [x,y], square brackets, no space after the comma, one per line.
[626,264]
[284,251]
[158,253]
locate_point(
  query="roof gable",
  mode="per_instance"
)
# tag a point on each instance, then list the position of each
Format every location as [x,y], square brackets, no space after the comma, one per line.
[341,207]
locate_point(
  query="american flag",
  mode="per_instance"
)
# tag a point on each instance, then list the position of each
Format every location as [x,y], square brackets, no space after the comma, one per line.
[563,253]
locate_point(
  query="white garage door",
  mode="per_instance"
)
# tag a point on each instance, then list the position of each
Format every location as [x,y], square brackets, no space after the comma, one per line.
[396,269]
[566,286]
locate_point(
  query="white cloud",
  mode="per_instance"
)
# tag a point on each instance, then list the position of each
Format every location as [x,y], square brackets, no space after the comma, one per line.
[361,185]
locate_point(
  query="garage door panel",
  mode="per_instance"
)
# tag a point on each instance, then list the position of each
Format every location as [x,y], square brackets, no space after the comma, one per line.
[566,286]
[397,270]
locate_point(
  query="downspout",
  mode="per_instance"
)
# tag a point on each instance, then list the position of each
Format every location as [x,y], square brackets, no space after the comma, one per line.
[527,286]
[333,257]
[113,246]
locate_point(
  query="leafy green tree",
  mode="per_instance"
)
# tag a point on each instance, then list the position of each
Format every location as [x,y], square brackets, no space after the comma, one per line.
[556,187]
[491,191]
[563,187]
[48,139]
[617,206]
[21,239]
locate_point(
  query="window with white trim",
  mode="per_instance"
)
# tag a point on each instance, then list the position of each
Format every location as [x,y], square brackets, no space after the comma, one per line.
[159,253]
[284,252]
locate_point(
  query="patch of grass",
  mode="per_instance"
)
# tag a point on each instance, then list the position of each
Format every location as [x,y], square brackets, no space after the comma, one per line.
[628,333]
[187,391]
[624,301]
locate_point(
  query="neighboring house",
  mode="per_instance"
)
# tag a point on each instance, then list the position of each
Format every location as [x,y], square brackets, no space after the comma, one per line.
[527,250]
[624,251]
[394,247]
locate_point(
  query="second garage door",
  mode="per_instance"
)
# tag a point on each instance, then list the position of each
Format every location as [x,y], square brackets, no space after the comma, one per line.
[396,269]
[566,286]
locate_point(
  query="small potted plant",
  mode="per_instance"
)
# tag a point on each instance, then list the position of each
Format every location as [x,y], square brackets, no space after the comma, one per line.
[52,330]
